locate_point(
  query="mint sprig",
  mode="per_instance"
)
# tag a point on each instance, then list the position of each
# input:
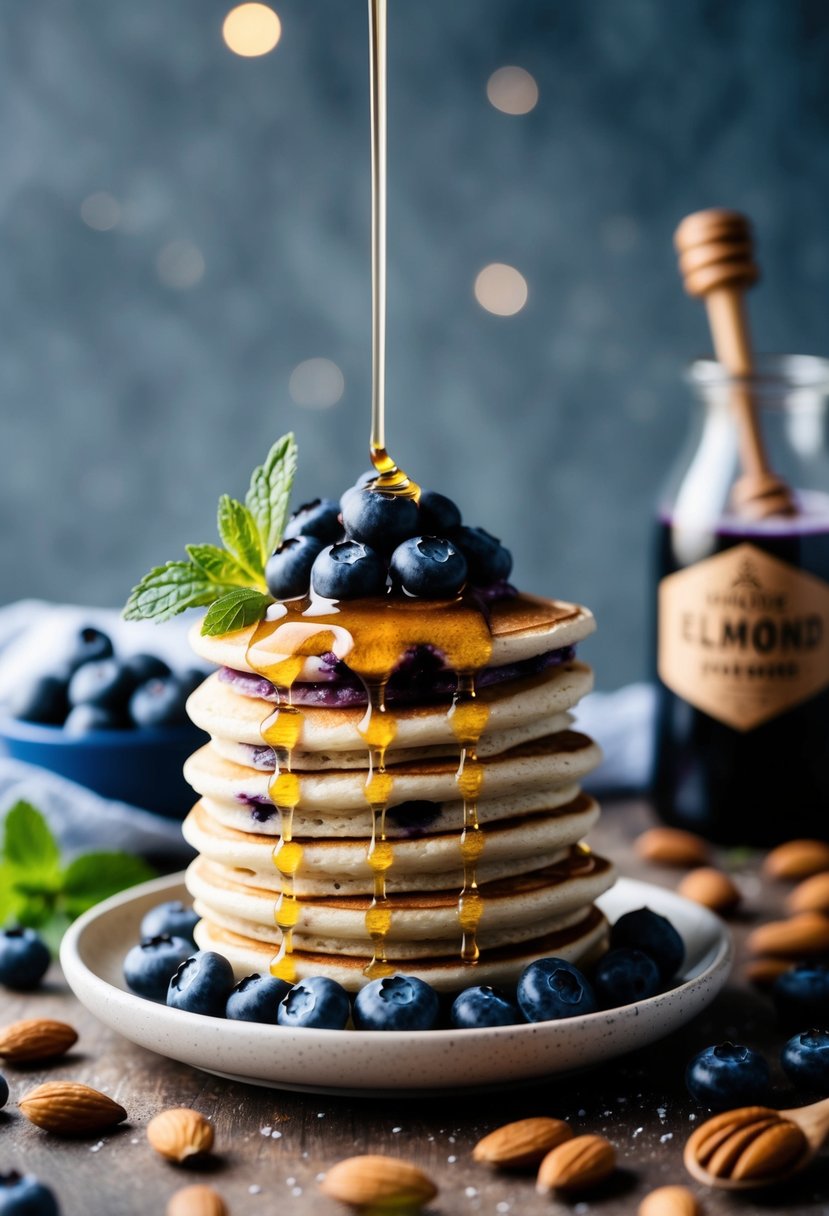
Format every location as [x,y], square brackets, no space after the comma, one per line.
[229,581]
[39,891]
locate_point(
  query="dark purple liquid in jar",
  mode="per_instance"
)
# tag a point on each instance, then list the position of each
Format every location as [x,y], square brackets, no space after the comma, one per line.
[769,783]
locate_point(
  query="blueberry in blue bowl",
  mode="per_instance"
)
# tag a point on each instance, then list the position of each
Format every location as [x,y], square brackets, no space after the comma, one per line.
[483,1006]
[428,567]
[318,1003]
[256,998]
[349,570]
[624,976]
[645,930]
[172,917]
[805,1061]
[396,1002]
[25,1195]
[149,966]
[552,988]
[159,702]
[727,1075]
[801,996]
[24,959]
[202,984]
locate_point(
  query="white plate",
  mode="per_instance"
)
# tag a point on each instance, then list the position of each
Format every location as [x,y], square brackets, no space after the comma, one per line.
[378,1062]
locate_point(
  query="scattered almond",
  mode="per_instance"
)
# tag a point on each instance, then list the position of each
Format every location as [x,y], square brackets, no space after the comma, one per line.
[180,1133]
[764,971]
[525,1142]
[804,934]
[669,1201]
[576,1165]
[811,895]
[797,859]
[36,1039]
[711,888]
[381,1182]
[68,1108]
[196,1201]
[672,847]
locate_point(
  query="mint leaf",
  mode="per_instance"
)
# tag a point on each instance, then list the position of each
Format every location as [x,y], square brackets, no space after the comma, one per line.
[240,536]
[270,491]
[8,896]
[95,876]
[169,589]
[30,850]
[234,611]
[218,565]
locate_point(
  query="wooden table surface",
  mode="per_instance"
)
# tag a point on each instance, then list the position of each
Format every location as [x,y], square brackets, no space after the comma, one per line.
[273,1147]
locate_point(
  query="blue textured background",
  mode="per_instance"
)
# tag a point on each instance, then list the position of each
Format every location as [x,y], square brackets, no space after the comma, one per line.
[129,405]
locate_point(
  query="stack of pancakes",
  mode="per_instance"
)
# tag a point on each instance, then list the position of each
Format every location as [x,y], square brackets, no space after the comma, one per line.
[537,882]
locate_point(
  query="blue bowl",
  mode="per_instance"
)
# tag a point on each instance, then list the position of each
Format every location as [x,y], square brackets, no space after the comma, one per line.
[142,766]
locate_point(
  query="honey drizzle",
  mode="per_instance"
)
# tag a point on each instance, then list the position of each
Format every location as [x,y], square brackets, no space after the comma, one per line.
[378,729]
[468,718]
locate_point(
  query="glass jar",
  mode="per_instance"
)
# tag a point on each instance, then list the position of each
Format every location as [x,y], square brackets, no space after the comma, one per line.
[742,606]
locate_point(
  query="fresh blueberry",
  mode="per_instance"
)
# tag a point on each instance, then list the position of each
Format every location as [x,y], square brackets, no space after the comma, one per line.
[364,480]
[190,679]
[41,699]
[488,561]
[85,718]
[320,518]
[398,1002]
[24,959]
[316,1002]
[4,1091]
[625,976]
[149,966]
[288,571]
[801,995]
[172,918]
[654,935]
[553,988]
[379,518]
[438,514]
[202,984]
[145,667]
[87,646]
[428,567]
[159,703]
[483,1006]
[24,1195]
[256,998]
[728,1075]
[348,571]
[105,682]
[805,1060]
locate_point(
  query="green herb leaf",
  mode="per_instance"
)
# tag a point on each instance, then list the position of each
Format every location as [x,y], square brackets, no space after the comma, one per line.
[234,611]
[95,876]
[8,896]
[169,589]
[219,566]
[270,491]
[240,536]
[30,850]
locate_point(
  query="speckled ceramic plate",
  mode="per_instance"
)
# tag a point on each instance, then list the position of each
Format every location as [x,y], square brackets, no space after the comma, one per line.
[378,1063]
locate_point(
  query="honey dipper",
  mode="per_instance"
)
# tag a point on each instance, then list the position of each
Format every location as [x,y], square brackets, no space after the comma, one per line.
[716,259]
[755,1146]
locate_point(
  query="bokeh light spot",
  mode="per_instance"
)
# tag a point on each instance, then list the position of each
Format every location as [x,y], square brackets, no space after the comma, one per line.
[512,90]
[180,264]
[501,289]
[316,383]
[251,30]
[100,211]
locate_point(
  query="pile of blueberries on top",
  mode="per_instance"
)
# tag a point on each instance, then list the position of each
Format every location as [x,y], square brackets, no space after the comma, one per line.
[89,688]
[373,539]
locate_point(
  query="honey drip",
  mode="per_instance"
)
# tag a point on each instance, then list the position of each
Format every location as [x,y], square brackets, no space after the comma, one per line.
[468,717]
[378,729]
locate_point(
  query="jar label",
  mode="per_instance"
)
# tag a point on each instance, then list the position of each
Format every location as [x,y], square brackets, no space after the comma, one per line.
[743,636]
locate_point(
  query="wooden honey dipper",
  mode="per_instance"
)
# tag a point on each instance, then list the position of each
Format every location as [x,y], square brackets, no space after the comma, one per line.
[716,259]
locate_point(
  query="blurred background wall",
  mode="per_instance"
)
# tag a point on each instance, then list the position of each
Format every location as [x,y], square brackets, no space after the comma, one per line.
[184,236]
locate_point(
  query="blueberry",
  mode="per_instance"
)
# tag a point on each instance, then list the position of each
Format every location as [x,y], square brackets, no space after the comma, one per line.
[438,514]
[483,1006]
[801,995]
[4,1091]
[805,1060]
[149,966]
[159,703]
[488,561]
[172,918]
[24,1195]
[364,480]
[145,667]
[85,718]
[24,959]
[625,976]
[429,567]
[87,646]
[728,1075]
[256,999]
[348,571]
[40,699]
[190,679]
[105,682]
[398,1002]
[316,1002]
[653,934]
[320,518]
[288,572]
[379,518]
[553,988]
[202,984]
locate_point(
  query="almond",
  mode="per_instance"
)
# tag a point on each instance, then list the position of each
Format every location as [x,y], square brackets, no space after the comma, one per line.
[764,971]
[68,1108]
[382,1182]
[525,1142]
[811,895]
[804,934]
[196,1201]
[669,1201]
[180,1133]
[750,1143]
[36,1039]
[576,1165]
[797,859]
[711,888]
[672,847]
